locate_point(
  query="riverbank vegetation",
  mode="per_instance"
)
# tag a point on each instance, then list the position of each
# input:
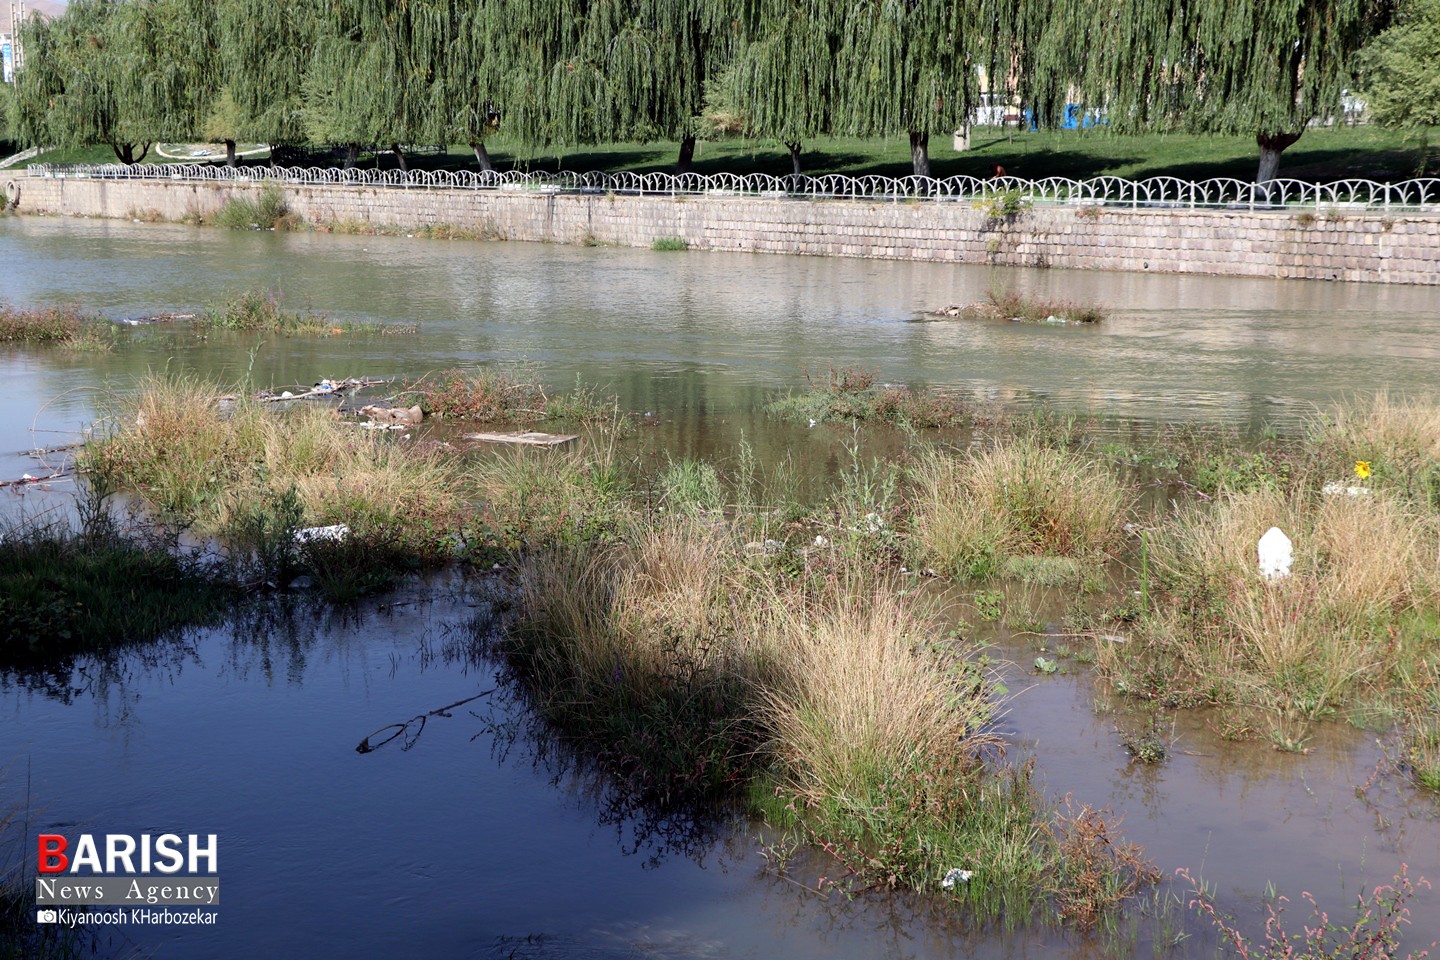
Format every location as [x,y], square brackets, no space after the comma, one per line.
[493,396]
[851,395]
[1019,308]
[265,211]
[706,639]
[57,324]
[64,591]
[263,311]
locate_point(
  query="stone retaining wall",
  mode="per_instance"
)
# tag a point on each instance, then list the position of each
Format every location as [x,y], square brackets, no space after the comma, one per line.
[1332,244]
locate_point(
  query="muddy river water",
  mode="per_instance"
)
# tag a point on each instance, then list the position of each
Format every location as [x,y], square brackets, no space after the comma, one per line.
[464,838]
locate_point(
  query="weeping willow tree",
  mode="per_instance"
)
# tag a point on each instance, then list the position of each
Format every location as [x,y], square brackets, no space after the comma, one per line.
[80,84]
[784,80]
[908,67]
[265,49]
[358,86]
[1260,67]
[556,84]
[469,72]
[658,58]
[173,49]
[9,133]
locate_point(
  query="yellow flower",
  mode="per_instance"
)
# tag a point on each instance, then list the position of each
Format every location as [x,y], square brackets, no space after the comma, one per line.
[1362,469]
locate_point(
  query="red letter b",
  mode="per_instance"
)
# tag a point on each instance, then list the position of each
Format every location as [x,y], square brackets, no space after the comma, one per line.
[52,853]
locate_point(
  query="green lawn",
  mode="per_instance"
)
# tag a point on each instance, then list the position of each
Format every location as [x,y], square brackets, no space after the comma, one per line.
[1321,155]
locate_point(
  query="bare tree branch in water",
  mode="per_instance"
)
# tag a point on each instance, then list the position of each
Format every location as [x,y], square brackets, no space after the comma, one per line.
[412,728]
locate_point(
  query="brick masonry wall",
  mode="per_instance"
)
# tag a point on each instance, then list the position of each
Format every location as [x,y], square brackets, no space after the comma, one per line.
[1327,244]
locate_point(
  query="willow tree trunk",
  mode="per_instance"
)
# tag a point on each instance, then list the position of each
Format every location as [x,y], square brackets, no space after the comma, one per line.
[399,157]
[1271,146]
[482,157]
[230,153]
[794,158]
[687,155]
[352,155]
[125,153]
[920,153]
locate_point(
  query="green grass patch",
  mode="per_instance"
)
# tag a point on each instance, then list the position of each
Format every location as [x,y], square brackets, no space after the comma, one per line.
[263,311]
[670,244]
[63,592]
[851,395]
[64,326]
[1322,155]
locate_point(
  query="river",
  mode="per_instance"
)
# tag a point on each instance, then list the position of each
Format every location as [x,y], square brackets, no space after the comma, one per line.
[465,838]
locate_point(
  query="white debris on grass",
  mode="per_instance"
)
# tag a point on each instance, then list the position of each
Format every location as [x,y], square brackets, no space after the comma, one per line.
[1276,553]
[956,875]
[1335,488]
[336,532]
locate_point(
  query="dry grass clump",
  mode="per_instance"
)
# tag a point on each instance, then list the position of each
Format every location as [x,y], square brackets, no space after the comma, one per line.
[975,511]
[494,396]
[208,458]
[688,670]
[1386,428]
[485,395]
[1396,440]
[1303,644]
[639,650]
[861,697]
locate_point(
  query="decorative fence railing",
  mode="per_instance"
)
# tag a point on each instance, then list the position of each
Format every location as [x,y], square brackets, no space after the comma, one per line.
[1161,192]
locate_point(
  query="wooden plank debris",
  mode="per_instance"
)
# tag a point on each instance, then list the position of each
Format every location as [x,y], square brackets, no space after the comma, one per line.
[527,439]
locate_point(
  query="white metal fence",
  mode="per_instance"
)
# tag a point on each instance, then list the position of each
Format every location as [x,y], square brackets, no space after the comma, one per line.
[1156,192]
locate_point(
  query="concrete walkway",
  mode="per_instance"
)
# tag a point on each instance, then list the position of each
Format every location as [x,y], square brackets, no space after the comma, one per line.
[20,157]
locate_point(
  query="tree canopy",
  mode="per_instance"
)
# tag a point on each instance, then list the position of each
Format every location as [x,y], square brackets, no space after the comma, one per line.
[1266,67]
[559,73]
[1402,69]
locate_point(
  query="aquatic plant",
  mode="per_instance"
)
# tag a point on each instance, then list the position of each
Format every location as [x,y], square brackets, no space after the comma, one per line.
[55,324]
[494,396]
[670,244]
[212,459]
[1374,934]
[1096,869]
[1013,306]
[263,311]
[852,395]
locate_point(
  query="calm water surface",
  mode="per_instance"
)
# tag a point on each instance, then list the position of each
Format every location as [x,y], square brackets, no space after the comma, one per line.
[465,841]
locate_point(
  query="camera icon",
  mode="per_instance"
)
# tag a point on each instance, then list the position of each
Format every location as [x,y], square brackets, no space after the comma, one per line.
[46,916]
